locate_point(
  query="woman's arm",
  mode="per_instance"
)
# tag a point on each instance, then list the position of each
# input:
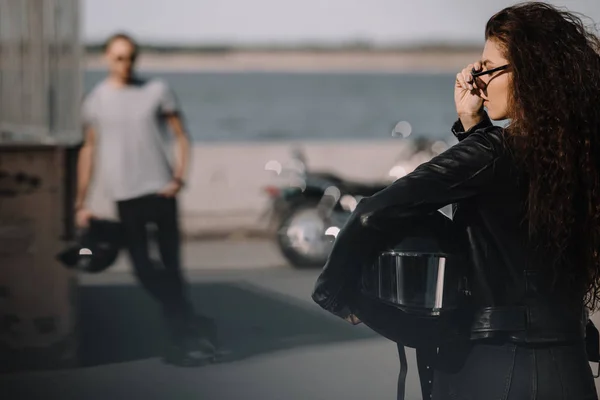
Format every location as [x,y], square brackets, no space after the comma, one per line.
[459,173]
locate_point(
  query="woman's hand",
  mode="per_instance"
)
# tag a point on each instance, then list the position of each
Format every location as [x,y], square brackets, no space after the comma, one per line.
[467,97]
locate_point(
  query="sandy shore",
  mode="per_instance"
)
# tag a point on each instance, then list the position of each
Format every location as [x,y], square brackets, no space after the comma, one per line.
[379,61]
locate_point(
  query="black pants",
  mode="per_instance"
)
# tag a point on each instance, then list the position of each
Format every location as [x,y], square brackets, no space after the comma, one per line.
[505,371]
[163,280]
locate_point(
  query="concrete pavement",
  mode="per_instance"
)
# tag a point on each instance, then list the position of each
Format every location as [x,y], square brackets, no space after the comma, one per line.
[282,345]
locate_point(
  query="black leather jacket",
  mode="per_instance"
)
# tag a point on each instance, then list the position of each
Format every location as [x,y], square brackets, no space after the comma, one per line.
[512,293]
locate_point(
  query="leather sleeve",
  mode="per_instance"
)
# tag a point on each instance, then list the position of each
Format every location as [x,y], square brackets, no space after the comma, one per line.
[458,130]
[459,173]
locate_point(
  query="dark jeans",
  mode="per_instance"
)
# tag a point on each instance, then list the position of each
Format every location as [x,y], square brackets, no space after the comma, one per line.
[164,281]
[505,371]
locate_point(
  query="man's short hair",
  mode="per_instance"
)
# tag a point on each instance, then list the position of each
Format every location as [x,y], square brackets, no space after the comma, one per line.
[121,36]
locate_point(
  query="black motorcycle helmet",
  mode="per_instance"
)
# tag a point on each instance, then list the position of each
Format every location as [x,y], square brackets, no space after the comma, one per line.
[415,293]
[96,249]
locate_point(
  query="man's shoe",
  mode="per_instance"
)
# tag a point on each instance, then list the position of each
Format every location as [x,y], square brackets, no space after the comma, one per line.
[205,328]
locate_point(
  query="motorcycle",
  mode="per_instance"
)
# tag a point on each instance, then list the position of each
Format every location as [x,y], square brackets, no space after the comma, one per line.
[306,214]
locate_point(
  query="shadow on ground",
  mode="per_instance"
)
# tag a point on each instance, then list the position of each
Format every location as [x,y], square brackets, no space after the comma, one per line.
[121,323]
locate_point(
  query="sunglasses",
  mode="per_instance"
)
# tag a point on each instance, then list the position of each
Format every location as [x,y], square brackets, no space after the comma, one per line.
[476,74]
[125,58]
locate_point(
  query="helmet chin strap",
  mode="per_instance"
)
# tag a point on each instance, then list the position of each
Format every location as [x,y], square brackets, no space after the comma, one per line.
[403,372]
[425,359]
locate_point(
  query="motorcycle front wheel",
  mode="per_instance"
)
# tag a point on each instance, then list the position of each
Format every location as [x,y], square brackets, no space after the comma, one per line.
[301,237]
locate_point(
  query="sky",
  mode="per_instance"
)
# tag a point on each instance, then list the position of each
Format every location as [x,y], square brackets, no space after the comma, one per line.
[295,21]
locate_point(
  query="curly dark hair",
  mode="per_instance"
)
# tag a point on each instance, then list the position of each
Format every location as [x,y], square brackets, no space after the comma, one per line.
[555,134]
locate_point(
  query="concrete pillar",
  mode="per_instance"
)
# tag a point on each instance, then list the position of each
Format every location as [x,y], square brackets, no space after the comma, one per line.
[38,307]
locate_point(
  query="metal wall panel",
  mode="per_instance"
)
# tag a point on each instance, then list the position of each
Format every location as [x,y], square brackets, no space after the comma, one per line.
[40,73]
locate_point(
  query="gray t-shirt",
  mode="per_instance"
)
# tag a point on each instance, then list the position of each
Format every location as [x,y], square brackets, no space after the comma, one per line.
[132,137]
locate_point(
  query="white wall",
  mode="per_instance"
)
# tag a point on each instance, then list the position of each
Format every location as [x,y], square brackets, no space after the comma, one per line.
[224,186]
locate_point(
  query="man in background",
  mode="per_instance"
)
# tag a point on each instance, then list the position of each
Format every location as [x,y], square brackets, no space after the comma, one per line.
[127,122]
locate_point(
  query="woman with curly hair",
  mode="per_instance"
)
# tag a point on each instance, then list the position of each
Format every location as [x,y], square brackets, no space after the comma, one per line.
[527,195]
